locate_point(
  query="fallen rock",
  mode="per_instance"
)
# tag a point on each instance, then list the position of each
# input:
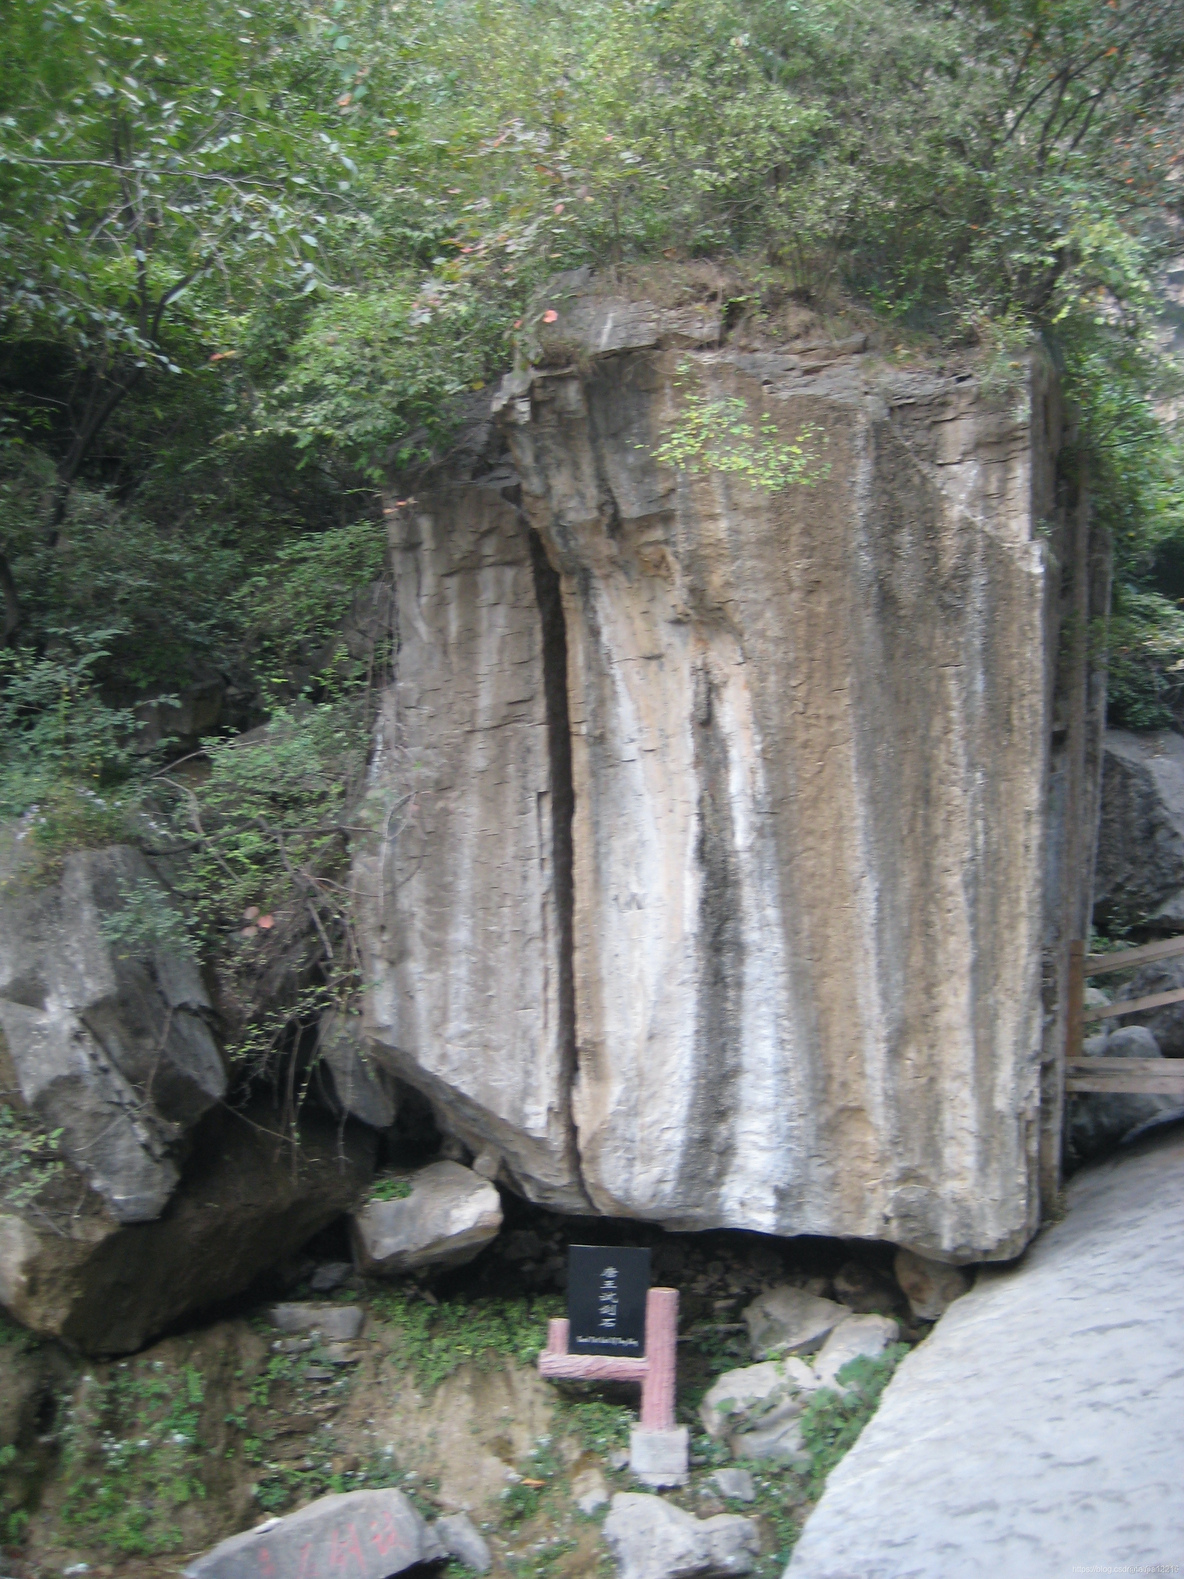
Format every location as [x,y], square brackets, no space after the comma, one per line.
[735,1483]
[589,1490]
[105,1029]
[106,1288]
[652,1539]
[448,1218]
[1139,875]
[461,1539]
[930,1287]
[363,1087]
[853,1339]
[330,1275]
[368,1534]
[1167,1023]
[340,1323]
[790,1320]
[1096,1122]
[757,1409]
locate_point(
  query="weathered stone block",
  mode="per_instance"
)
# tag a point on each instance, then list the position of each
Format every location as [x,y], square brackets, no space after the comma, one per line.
[449,1217]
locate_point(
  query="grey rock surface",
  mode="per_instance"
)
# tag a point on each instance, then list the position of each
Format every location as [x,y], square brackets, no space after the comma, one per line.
[788,1320]
[370,1534]
[461,1539]
[757,1409]
[669,749]
[449,1217]
[735,1483]
[106,1288]
[857,1337]
[1140,862]
[363,1086]
[341,1323]
[653,1539]
[107,1040]
[1166,1024]
[1098,1121]
[1037,1430]
[930,1287]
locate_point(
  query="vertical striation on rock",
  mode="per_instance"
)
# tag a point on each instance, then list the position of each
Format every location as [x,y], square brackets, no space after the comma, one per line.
[810,744]
[463,895]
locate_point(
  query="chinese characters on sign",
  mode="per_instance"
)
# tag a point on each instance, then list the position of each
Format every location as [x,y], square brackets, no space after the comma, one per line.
[606,1290]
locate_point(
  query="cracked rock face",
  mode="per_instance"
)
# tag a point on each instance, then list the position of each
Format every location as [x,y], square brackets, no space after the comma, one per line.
[107,1040]
[731,823]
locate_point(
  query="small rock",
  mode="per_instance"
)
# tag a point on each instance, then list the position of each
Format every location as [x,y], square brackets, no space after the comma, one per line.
[448,1218]
[487,1164]
[652,1539]
[589,1490]
[930,1287]
[858,1335]
[789,1320]
[330,1275]
[461,1539]
[340,1354]
[734,1483]
[619,1458]
[340,1322]
[757,1409]
[373,1534]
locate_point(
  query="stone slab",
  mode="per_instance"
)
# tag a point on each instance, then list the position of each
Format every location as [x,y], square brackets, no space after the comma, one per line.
[367,1534]
[660,1458]
[1036,1432]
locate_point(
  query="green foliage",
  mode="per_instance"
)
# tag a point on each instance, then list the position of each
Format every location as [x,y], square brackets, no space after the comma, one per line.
[145,922]
[1145,679]
[16,1337]
[717,436]
[131,1457]
[435,1341]
[600,1427]
[832,1421]
[306,589]
[29,1158]
[390,1189]
[374,378]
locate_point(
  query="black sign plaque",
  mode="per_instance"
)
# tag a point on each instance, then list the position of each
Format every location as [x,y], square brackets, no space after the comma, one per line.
[606,1290]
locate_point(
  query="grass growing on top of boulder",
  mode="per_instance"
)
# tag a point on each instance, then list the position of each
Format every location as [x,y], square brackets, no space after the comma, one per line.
[437,1340]
[390,1189]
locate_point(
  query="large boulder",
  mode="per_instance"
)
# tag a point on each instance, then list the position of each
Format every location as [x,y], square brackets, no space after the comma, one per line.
[1166,1024]
[1140,862]
[247,1201]
[103,1027]
[446,1217]
[721,831]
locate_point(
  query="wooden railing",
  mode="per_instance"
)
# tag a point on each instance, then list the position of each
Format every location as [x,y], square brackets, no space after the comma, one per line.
[1137,1076]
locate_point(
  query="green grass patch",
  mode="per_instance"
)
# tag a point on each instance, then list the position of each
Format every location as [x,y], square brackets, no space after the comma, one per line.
[434,1341]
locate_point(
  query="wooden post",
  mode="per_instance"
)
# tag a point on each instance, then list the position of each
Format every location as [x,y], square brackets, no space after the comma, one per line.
[1075,1007]
[661,1351]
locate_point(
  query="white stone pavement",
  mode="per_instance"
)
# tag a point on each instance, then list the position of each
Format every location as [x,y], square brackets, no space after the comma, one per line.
[1039,1432]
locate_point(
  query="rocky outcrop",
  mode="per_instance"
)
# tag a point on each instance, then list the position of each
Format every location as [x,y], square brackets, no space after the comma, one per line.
[724,829]
[653,1539]
[105,1029]
[1140,865]
[245,1203]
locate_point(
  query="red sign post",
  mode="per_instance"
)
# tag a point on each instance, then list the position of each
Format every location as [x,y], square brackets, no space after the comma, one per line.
[658,1449]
